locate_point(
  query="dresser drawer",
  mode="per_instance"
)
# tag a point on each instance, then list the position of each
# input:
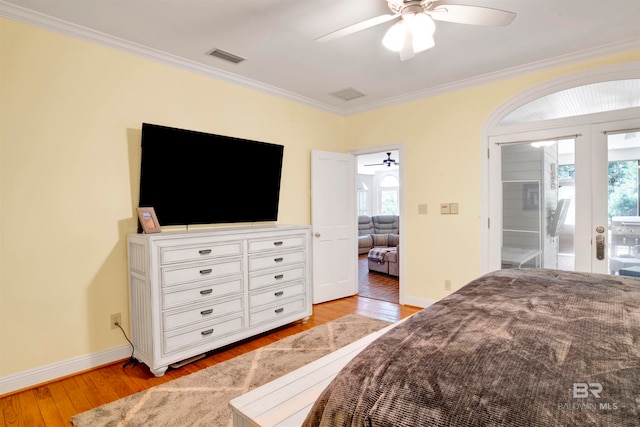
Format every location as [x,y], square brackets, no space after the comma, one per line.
[275,260]
[201,271]
[178,319]
[170,255]
[274,312]
[209,332]
[176,296]
[275,276]
[279,293]
[272,244]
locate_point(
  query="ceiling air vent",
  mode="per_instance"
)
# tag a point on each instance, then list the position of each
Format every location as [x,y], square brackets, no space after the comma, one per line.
[348,94]
[230,57]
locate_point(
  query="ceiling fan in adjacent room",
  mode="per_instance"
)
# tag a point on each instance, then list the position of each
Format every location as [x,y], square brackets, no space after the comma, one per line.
[386,162]
[413,33]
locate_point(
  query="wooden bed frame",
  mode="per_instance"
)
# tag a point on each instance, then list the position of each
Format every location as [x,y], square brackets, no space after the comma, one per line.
[286,401]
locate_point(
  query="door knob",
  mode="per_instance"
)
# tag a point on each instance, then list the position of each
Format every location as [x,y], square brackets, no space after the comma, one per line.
[316,234]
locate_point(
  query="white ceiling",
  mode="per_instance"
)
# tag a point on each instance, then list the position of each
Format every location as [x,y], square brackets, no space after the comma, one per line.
[277,39]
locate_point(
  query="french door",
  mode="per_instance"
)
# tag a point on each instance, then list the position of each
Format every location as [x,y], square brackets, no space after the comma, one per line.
[566,198]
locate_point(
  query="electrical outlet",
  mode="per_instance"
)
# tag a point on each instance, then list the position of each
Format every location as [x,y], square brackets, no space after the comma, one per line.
[116,320]
[447,285]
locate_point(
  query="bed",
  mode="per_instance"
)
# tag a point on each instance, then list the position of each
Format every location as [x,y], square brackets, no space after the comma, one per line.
[519,347]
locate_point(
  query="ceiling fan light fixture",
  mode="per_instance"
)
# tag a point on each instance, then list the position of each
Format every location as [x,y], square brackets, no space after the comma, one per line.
[419,26]
[395,37]
[422,27]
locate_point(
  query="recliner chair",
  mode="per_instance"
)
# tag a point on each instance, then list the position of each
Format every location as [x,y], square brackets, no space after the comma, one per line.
[380,231]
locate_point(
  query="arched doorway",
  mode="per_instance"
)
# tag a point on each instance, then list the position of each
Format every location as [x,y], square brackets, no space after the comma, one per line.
[549,187]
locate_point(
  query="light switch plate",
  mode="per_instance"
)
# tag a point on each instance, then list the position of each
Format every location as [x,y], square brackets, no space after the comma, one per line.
[422,209]
[445,208]
[454,208]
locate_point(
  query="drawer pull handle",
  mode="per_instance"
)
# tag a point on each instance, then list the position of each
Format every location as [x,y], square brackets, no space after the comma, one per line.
[278,243]
[206,271]
[205,312]
[279,310]
[204,251]
[279,294]
[278,277]
[207,332]
[278,259]
[206,291]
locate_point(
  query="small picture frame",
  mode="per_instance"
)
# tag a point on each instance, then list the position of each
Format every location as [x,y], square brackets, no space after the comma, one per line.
[530,197]
[148,220]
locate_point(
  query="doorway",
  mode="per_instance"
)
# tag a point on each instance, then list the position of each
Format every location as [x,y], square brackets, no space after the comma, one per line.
[544,181]
[562,190]
[378,206]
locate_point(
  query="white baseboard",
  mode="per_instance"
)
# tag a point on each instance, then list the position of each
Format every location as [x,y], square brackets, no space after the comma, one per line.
[43,374]
[417,301]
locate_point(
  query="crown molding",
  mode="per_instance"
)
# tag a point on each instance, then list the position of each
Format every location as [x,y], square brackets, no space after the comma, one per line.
[558,61]
[50,23]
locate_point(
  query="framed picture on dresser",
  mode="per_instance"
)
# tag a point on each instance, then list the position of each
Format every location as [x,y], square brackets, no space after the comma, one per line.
[148,220]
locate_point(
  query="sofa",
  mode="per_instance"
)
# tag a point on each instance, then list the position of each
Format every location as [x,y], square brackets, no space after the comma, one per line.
[379,237]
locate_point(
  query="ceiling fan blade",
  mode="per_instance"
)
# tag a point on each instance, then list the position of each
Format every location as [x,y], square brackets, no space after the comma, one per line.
[357,27]
[385,163]
[474,15]
[406,53]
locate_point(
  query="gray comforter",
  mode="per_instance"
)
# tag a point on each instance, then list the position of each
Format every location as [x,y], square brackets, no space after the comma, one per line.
[512,348]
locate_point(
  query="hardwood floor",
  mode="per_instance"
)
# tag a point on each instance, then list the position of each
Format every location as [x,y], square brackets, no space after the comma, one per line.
[54,403]
[376,285]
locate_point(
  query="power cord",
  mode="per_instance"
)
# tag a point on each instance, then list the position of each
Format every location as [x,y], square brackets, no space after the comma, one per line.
[132,360]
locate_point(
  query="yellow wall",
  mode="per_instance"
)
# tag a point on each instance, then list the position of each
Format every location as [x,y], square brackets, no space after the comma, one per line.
[442,161]
[70,120]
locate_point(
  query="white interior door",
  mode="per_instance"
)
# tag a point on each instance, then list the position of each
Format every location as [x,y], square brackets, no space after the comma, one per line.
[333,223]
[594,169]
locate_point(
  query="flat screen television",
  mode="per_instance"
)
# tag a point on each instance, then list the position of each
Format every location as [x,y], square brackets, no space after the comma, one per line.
[191,177]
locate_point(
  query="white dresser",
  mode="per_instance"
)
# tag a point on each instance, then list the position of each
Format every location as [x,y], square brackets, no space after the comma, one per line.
[192,292]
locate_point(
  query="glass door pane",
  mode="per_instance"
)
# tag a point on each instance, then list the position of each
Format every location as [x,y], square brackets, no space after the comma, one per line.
[623,152]
[538,198]
[521,246]
[563,218]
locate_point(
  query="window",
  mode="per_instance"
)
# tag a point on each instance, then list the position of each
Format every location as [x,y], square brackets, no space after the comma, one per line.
[363,198]
[388,195]
[623,188]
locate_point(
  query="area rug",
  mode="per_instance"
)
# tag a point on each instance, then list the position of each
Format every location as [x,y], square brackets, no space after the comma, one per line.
[202,398]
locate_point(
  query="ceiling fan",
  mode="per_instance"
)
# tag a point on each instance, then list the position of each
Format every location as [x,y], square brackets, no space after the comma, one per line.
[386,162]
[413,33]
